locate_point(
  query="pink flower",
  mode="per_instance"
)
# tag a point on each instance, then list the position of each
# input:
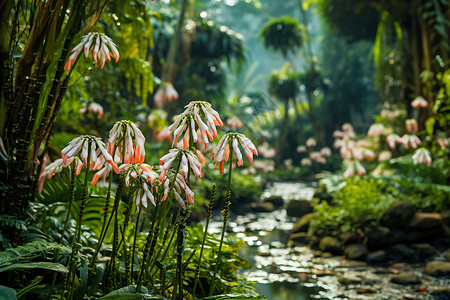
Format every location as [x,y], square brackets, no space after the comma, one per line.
[187,160]
[235,123]
[100,49]
[337,134]
[311,142]
[325,151]
[165,93]
[442,142]
[419,102]
[350,171]
[359,168]
[56,167]
[88,146]
[393,139]
[306,162]
[222,150]
[376,130]
[94,108]
[384,155]
[422,156]
[411,140]
[190,120]
[139,175]
[301,149]
[411,126]
[134,142]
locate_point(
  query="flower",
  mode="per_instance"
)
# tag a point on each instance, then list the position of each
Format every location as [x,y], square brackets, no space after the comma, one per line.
[87,146]
[409,139]
[325,151]
[134,142]
[311,142]
[376,130]
[442,142]
[350,171]
[306,162]
[56,167]
[187,159]
[359,168]
[222,151]
[187,122]
[179,186]
[384,155]
[337,134]
[411,125]
[94,108]
[100,49]
[393,139]
[165,93]
[419,102]
[301,149]
[422,156]
[235,123]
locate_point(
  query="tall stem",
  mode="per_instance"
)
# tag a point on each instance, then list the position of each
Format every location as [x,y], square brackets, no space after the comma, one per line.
[225,219]
[136,229]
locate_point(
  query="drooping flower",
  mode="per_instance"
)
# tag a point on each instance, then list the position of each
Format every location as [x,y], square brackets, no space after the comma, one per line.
[165,93]
[325,151]
[384,155]
[93,108]
[392,140]
[221,153]
[376,130]
[410,140]
[306,162]
[442,142]
[179,186]
[235,123]
[88,146]
[422,156]
[187,160]
[301,149]
[311,142]
[127,131]
[57,166]
[411,126]
[349,171]
[419,102]
[100,49]
[187,123]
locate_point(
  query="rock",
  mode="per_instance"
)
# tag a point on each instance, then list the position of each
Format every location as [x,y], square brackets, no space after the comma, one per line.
[446,255]
[398,215]
[401,252]
[426,221]
[376,256]
[302,225]
[405,278]
[299,238]
[330,244]
[355,251]
[445,216]
[277,201]
[397,236]
[298,208]
[378,237]
[438,268]
[347,279]
[349,237]
[442,292]
[424,250]
[262,207]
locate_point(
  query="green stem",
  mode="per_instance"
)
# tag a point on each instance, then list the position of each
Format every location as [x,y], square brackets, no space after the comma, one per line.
[72,188]
[208,218]
[225,219]
[85,192]
[136,229]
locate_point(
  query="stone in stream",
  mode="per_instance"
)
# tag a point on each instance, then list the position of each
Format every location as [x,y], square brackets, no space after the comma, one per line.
[398,215]
[376,256]
[330,244]
[348,279]
[262,207]
[277,201]
[350,237]
[298,208]
[438,268]
[378,237]
[302,225]
[424,250]
[299,238]
[426,221]
[442,292]
[355,251]
[405,278]
[402,252]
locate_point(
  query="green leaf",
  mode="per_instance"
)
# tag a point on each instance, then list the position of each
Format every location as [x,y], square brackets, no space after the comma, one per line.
[84,274]
[37,265]
[99,272]
[7,292]
[429,125]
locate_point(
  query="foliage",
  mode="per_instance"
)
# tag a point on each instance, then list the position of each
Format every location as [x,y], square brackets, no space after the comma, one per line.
[284,84]
[282,34]
[359,204]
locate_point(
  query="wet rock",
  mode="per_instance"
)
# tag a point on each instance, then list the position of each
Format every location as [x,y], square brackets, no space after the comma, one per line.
[299,238]
[398,215]
[262,207]
[442,292]
[378,237]
[298,208]
[424,250]
[376,256]
[426,221]
[438,268]
[401,252]
[302,225]
[446,255]
[348,279]
[397,236]
[366,291]
[277,201]
[355,251]
[405,278]
[349,237]
[330,244]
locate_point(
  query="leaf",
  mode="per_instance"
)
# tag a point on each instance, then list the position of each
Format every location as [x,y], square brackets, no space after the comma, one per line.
[84,274]
[429,125]
[37,265]
[99,272]
[7,292]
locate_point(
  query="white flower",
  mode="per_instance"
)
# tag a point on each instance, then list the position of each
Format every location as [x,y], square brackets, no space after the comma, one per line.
[134,142]
[311,142]
[187,160]
[419,102]
[422,156]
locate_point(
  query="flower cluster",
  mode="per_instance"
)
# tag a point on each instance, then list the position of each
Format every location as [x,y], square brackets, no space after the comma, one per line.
[419,102]
[187,160]
[422,156]
[100,49]
[128,141]
[165,93]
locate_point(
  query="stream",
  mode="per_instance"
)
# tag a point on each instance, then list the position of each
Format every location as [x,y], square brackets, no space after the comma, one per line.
[287,272]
